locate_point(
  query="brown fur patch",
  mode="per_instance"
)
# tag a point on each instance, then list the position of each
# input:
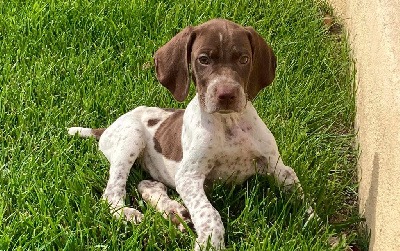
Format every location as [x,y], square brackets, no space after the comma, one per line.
[98,132]
[152,122]
[167,139]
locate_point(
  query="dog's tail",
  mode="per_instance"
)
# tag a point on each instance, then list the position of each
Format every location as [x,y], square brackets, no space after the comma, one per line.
[86,132]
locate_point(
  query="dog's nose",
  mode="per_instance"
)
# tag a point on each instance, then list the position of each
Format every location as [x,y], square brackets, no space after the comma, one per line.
[226,93]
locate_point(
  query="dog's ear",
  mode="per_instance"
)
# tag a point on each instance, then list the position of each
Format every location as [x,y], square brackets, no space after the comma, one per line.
[172,63]
[263,65]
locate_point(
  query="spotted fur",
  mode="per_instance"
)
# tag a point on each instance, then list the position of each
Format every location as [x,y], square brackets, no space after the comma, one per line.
[218,137]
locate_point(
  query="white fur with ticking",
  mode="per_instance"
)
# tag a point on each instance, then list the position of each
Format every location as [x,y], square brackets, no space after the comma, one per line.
[217,144]
[216,147]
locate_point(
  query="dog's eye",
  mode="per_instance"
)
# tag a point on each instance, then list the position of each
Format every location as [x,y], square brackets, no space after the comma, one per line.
[204,60]
[244,59]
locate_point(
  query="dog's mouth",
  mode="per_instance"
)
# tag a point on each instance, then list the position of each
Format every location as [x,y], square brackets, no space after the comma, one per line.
[213,106]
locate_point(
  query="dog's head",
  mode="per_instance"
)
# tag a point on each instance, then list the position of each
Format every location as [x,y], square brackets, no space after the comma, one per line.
[230,64]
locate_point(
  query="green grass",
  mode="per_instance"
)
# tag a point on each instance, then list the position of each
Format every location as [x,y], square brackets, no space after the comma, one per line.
[85,63]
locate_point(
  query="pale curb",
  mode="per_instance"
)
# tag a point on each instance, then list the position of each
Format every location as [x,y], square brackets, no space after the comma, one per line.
[374,34]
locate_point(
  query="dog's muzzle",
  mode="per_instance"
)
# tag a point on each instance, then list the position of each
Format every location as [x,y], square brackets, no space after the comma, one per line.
[224,96]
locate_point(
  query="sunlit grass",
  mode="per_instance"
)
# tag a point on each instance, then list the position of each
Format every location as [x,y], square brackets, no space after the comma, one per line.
[85,63]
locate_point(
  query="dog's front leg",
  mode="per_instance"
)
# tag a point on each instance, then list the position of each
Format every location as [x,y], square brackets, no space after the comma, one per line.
[205,218]
[271,163]
[284,175]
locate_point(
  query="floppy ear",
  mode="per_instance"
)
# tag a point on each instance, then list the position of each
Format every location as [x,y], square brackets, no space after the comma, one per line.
[172,66]
[263,65]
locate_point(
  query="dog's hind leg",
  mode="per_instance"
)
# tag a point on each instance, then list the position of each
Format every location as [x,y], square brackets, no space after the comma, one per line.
[155,193]
[122,144]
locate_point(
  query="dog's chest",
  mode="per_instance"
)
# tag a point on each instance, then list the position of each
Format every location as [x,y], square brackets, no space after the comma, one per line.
[232,152]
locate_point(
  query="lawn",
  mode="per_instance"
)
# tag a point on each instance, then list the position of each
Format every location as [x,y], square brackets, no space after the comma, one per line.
[85,63]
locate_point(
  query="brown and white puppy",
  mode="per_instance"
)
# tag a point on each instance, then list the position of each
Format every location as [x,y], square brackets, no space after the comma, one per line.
[218,137]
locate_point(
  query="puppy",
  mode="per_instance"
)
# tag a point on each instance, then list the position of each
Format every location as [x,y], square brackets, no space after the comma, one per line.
[218,137]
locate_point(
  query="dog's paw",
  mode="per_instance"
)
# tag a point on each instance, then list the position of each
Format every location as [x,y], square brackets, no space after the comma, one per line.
[310,215]
[175,210]
[129,214]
